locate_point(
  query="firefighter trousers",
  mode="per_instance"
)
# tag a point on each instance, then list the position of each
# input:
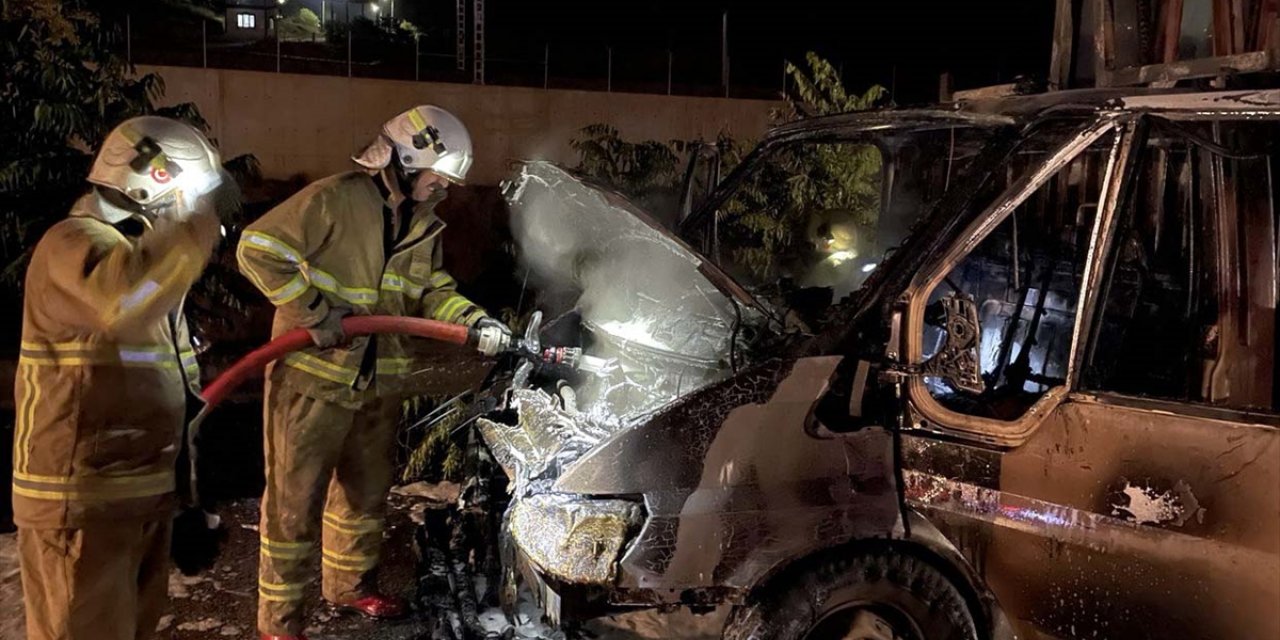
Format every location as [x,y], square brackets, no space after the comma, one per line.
[104,581]
[328,472]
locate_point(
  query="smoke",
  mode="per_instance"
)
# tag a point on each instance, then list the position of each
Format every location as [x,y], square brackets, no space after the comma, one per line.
[640,295]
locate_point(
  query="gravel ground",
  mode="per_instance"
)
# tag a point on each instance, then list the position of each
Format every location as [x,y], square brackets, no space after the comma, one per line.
[222,603]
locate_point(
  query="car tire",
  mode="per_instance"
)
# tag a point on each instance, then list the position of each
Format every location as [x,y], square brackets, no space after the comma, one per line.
[882,595]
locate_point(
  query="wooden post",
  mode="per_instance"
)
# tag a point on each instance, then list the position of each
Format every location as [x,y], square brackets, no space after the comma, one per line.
[1169,31]
[944,87]
[1063,52]
[1103,42]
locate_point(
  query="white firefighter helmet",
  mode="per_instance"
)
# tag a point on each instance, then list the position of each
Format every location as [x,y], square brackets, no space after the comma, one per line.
[153,161]
[424,137]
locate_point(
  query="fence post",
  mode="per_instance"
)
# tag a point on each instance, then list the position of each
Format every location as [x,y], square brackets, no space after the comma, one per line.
[670,62]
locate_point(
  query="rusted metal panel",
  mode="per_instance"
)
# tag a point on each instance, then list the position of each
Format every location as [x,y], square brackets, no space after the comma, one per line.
[1231,64]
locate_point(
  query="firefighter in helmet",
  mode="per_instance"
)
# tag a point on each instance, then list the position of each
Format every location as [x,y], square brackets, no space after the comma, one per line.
[104,376]
[364,242]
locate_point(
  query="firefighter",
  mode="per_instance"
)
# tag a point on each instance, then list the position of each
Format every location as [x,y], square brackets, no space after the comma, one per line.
[361,242]
[104,375]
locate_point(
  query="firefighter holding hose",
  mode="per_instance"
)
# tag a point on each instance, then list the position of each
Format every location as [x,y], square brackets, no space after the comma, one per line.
[104,377]
[364,242]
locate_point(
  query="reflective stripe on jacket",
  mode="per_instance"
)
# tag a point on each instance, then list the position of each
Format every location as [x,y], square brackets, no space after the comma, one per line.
[104,359]
[325,247]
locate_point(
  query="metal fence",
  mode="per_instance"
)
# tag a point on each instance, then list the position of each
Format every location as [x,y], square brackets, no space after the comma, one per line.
[401,57]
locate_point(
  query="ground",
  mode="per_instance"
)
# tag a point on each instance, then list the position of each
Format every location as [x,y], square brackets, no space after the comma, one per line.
[221,603]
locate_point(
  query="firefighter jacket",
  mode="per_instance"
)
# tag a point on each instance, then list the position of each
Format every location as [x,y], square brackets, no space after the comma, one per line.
[328,246]
[105,369]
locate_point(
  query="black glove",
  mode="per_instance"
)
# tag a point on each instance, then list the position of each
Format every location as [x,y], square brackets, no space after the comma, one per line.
[328,332]
[197,539]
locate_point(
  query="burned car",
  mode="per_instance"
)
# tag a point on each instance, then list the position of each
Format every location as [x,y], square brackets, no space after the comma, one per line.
[1039,398]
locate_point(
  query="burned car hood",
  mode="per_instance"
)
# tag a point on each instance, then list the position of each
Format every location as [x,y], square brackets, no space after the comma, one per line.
[667,320]
[644,299]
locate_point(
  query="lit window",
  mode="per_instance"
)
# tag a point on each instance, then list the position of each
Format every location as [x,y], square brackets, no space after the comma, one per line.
[246,20]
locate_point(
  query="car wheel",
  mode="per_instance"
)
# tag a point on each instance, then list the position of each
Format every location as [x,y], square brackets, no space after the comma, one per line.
[875,596]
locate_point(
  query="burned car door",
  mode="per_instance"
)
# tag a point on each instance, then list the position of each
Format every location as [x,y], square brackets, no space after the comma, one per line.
[1116,474]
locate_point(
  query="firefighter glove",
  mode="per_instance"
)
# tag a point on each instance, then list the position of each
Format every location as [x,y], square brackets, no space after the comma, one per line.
[328,332]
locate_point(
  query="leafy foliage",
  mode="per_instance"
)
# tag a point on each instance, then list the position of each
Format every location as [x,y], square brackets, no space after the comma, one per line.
[647,171]
[65,85]
[298,23]
[764,224]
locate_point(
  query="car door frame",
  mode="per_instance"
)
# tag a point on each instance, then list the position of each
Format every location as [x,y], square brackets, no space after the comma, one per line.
[925,413]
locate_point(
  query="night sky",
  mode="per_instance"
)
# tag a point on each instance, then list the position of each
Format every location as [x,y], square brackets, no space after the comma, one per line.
[903,44]
[981,42]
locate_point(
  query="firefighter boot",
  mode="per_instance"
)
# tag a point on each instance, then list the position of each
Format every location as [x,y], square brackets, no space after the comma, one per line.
[374,605]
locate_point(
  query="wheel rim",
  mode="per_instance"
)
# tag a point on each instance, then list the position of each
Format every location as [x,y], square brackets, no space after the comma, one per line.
[863,622]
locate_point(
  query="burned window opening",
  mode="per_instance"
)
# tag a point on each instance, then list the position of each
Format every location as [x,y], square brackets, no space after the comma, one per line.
[1025,278]
[1188,313]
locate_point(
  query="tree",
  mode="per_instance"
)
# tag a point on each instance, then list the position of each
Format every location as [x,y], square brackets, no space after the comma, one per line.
[65,85]
[768,219]
[647,171]
[764,224]
[298,23]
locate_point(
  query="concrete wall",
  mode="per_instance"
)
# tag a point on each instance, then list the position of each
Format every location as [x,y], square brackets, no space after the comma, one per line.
[312,124]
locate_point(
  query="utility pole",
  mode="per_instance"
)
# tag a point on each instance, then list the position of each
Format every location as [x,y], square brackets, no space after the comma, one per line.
[609,73]
[670,63]
[546,67]
[417,59]
[346,10]
[724,53]
[128,38]
[204,43]
[461,31]
[477,20]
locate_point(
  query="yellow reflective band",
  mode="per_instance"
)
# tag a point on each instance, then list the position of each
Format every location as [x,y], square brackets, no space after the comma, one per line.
[95,481]
[26,418]
[67,354]
[91,492]
[272,597]
[59,346]
[396,282]
[289,292]
[441,279]
[471,317]
[349,566]
[353,527]
[283,544]
[247,267]
[324,281]
[320,368]
[284,555]
[272,245]
[283,587]
[190,365]
[395,366]
[419,124]
[450,308]
[139,296]
[363,557]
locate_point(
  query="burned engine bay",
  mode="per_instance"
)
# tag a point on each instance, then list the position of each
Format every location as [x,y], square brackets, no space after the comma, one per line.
[646,312]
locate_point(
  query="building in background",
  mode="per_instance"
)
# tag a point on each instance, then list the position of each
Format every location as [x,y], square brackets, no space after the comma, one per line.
[249,20]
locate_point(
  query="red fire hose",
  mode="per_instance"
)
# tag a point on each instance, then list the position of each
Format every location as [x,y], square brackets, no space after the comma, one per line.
[252,364]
